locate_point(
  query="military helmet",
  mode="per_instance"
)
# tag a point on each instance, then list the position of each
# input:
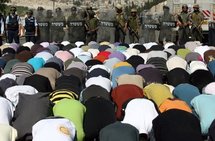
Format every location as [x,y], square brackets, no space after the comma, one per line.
[195,6]
[133,10]
[165,7]
[13,8]
[184,6]
[30,12]
[119,6]
[73,8]
[58,9]
[40,8]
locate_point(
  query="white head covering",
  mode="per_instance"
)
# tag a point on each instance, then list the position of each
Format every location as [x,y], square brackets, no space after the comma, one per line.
[7,109]
[197,65]
[28,44]
[79,43]
[99,81]
[176,62]
[65,43]
[7,133]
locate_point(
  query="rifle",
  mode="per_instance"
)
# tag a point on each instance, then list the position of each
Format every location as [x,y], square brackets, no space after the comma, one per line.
[119,26]
[195,27]
[131,30]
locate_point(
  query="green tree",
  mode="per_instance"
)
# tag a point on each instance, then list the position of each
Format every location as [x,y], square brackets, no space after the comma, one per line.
[3,5]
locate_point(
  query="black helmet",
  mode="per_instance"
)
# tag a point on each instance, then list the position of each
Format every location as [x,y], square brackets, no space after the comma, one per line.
[13,8]
[30,12]
[58,9]
[184,6]
[73,8]
[40,8]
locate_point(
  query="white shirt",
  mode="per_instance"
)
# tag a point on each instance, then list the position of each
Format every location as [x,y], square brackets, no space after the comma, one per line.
[140,113]
[2,26]
[59,129]
[12,93]
[99,81]
[7,133]
[6,108]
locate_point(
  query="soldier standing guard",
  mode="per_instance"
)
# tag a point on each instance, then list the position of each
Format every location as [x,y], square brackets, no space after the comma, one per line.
[183,23]
[121,25]
[133,26]
[165,29]
[76,29]
[43,25]
[197,18]
[91,26]
[58,23]
[150,25]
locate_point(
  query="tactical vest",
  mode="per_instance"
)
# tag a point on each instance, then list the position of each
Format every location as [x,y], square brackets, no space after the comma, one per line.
[133,23]
[120,19]
[197,18]
[30,24]
[13,23]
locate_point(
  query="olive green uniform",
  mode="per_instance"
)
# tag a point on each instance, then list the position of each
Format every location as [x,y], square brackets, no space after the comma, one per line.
[120,26]
[76,29]
[92,27]
[183,31]
[57,28]
[165,32]
[134,27]
[197,18]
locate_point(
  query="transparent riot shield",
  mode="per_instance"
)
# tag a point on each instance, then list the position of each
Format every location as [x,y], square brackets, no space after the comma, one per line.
[57,25]
[167,28]
[106,28]
[43,21]
[76,28]
[150,26]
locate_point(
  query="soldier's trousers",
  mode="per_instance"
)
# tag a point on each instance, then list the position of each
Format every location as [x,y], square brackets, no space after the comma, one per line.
[165,34]
[0,40]
[44,35]
[91,37]
[133,38]
[119,36]
[57,36]
[183,35]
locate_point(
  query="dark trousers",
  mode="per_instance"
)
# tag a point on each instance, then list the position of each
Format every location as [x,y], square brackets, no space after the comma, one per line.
[30,38]
[119,36]
[13,35]
[0,40]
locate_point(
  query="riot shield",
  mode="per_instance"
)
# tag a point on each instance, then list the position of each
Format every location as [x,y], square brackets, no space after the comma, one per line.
[76,28]
[106,28]
[167,28]
[43,26]
[57,25]
[150,26]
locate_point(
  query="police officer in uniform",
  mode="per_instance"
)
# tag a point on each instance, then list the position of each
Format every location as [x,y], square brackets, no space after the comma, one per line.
[196,19]
[58,23]
[92,27]
[165,31]
[13,26]
[30,27]
[121,25]
[183,23]
[133,24]
[1,28]
[150,25]
[76,29]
